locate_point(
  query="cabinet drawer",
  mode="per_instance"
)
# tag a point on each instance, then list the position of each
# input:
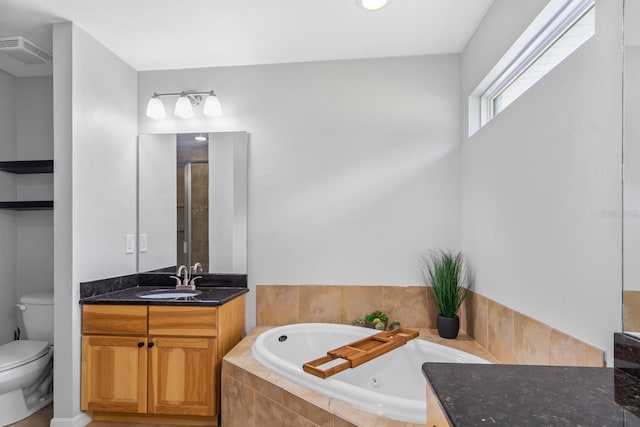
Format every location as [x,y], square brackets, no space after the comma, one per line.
[182,321]
[114,319]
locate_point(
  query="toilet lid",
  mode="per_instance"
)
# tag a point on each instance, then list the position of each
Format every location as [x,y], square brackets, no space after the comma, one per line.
[17,353]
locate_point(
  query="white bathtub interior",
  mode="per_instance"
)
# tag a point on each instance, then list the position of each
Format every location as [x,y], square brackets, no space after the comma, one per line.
[391,385]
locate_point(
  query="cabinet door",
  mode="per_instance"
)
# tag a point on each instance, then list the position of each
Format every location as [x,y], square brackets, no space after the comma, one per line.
[114,374]
[182,376]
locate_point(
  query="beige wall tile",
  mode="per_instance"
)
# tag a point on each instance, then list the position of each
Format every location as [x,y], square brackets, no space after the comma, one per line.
[270,413]
[319,304]
[238,404]
[463,314]
[532,340]
[357,301]
[432,310]
[361,418]
[569,351]
[276,305]
[595,356]
[308,410]
[500,332]
[477,313]
[631,309]
[339,422]
[233,371]
[406,304]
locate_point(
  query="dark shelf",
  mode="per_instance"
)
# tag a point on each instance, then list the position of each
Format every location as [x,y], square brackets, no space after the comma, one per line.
[30,205]
[27,166]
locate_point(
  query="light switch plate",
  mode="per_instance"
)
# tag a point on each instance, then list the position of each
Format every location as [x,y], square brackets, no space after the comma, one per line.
[143,242]
[129,243]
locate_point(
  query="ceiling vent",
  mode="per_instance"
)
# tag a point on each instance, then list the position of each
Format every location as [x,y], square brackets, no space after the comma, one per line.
[23,50]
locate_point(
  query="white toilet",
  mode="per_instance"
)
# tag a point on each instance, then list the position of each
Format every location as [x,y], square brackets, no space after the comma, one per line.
[26,366]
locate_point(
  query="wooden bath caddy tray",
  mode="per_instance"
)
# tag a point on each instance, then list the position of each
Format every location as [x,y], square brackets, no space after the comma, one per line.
[359,352]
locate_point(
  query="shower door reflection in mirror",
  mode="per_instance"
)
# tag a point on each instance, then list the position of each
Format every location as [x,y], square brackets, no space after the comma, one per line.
[192,201]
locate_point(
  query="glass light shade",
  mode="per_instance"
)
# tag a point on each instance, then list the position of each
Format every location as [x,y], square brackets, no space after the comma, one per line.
[372,4]
[183,108]
[212,107]
[155,108]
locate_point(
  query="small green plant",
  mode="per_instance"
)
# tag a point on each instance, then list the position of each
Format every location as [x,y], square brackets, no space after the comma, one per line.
[444,272]
[358,321]
[377,317]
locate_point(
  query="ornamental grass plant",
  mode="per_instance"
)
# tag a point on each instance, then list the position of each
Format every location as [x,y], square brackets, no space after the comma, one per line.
[444,272]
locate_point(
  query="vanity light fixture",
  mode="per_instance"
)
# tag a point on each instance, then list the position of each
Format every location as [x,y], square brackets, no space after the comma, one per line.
[155,107]
[212,107]
[183,109]
[184,104]
[372,4]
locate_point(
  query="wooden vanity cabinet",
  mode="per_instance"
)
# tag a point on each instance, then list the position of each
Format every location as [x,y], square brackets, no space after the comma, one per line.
[114,358]
[182,360]
[167,370]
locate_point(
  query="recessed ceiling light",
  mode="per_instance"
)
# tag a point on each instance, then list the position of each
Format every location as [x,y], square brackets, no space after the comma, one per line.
[200,138]
[372,4]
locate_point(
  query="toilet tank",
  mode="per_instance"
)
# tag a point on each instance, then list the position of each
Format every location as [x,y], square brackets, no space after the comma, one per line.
[37,315]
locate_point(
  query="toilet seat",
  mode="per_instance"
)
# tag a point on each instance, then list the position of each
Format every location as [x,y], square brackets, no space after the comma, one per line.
[18,353]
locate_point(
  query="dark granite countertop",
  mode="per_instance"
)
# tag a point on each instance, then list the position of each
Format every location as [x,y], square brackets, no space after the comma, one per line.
[208,296]
[521,395]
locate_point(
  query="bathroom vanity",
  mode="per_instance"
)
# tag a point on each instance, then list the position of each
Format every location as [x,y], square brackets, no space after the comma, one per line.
[158,360]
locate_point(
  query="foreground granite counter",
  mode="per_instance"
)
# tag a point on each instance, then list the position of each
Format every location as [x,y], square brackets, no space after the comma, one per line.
[520,395]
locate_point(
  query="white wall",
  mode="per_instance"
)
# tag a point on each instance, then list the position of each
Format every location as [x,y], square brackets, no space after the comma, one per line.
[94,190]
[157,201]
[542,181]
[34,104]
[353,165]
[8,234]
[228,187]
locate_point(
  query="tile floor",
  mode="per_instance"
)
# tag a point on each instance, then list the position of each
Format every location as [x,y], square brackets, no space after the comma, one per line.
[42,418]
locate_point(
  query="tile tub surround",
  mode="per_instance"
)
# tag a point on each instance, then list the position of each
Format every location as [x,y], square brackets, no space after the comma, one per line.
[631,303]
[510,336]
[252,396]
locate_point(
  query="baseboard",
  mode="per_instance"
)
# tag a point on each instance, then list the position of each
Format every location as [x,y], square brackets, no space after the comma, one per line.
[79,420]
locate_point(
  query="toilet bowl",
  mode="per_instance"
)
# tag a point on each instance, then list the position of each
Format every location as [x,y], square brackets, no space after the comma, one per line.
[26,366]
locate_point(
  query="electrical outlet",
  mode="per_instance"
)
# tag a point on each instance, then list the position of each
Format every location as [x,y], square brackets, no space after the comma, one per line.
[143,242]
[129,243]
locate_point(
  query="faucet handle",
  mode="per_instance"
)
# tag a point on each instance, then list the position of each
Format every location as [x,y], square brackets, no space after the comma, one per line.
[177,279]
[192,283]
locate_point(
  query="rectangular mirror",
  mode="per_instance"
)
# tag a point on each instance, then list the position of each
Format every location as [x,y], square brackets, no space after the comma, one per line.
[631,156]
[192,201]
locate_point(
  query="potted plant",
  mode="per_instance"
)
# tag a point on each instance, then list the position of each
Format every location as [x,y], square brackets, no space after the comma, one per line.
[377,320]
[444,272]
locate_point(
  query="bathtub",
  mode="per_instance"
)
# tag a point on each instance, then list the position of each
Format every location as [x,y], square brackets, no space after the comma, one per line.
[391,385]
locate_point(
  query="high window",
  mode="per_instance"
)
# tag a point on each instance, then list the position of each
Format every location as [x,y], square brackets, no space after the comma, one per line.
[559,30]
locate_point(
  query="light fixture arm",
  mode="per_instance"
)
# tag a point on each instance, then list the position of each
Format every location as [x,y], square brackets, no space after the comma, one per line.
[187,93]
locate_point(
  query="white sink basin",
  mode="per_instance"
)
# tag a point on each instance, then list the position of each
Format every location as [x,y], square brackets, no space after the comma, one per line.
[167,294]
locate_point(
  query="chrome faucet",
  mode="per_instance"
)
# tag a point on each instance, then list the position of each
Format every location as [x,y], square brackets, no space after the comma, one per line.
[183,278]
[195,267]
